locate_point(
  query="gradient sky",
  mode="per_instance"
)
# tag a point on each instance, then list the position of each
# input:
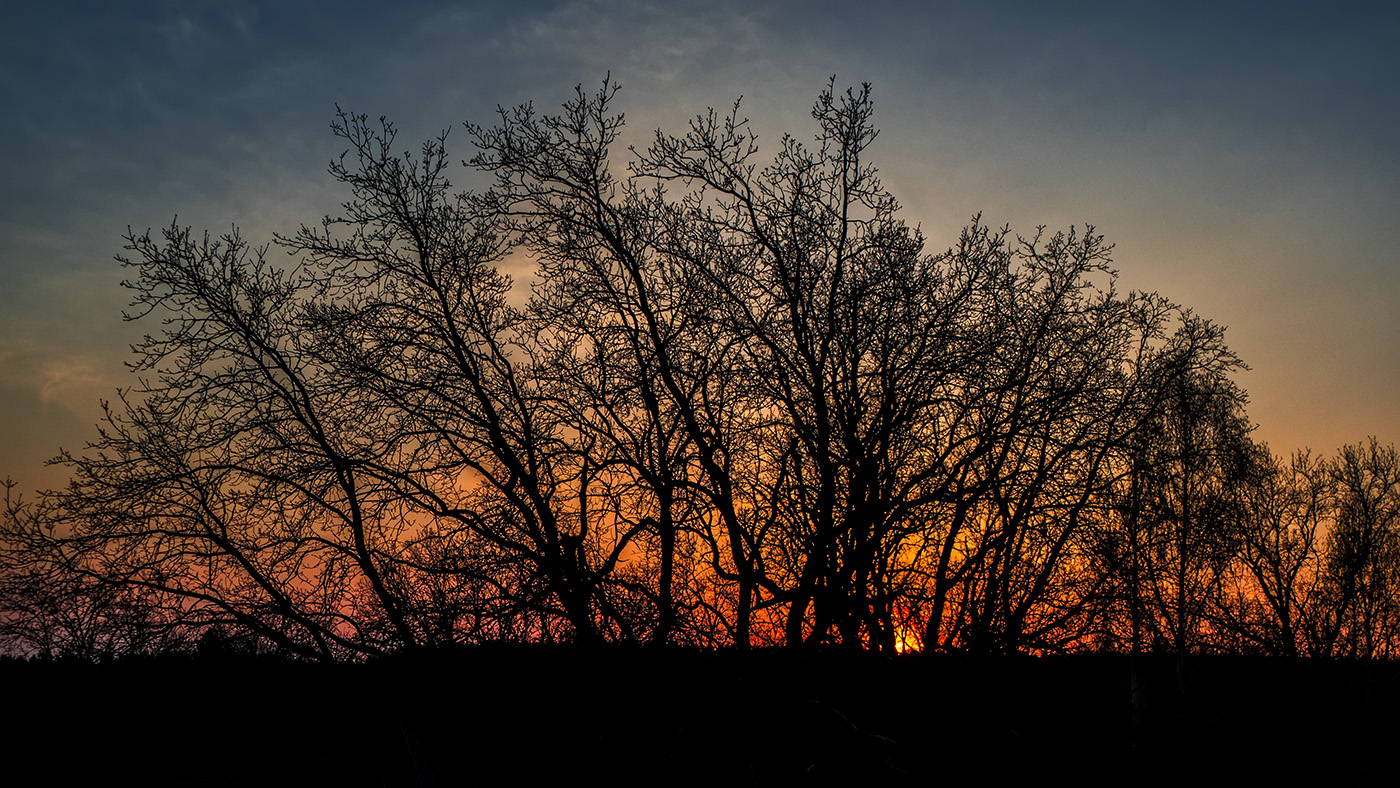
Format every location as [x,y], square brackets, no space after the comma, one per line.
[1244,158]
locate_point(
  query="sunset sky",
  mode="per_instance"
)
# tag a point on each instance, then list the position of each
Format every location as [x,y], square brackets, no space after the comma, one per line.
[1244,158]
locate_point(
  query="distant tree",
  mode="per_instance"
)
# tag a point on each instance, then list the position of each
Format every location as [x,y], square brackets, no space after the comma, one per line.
[1288,507]
[1179,510]
[53,603]
[1357,613]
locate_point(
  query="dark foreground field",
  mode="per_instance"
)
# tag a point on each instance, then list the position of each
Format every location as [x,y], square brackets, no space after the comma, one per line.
[525,716]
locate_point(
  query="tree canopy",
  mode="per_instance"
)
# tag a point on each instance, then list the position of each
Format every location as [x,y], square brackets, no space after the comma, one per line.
[741,404]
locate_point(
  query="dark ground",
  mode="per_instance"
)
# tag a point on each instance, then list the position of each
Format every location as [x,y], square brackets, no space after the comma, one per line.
[557,715]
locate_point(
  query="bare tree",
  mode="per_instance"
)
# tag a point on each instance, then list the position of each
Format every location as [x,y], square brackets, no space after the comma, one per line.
[50,608]
[415,315]
[231,479]
[1187,528]
[1357,614]
[849,338]
[741,405]
[1288,508]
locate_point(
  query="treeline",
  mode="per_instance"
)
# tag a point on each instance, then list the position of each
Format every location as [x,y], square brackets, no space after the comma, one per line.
[739,405]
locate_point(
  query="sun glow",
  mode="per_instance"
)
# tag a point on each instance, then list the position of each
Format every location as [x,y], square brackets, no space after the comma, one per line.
[906,641]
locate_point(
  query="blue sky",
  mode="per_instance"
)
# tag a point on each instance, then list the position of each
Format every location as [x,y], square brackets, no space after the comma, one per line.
[1243,157]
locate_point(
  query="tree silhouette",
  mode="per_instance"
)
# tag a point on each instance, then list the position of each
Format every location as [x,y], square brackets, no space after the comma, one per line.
[741,405]
[1357,615]
[1289,506]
